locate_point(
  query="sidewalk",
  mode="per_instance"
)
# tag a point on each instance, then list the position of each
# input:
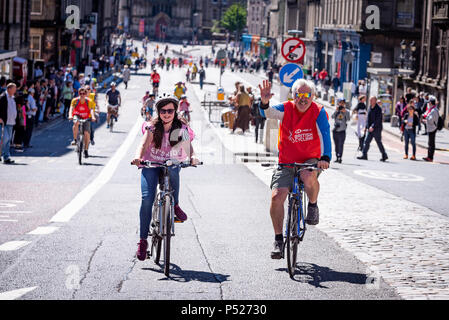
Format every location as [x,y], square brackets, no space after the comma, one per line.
[442,137]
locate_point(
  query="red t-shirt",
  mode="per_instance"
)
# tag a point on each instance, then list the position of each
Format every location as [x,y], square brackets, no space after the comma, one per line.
[82,110]
[155,77]
[299,139]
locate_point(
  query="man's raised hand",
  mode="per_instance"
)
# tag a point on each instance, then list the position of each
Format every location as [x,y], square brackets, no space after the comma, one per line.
[265,92]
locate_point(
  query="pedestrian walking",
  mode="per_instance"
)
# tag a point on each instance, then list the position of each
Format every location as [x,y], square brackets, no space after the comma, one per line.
[67,95]
[270,75]
[8,117]
[341,117]
[243,111]
[30,113]
[202,75]
[126,76]
[374,127]
[19,127]
[431,120]
[335,83]
[411,121]
[259,120]
[361,111]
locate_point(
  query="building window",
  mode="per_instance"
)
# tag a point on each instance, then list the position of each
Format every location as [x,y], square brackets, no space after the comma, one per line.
[35,47]
[405,15]
[36,7]
[215,14]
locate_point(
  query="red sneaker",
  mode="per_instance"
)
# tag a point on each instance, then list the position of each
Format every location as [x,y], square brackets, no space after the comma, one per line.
[180,214]
[142,250]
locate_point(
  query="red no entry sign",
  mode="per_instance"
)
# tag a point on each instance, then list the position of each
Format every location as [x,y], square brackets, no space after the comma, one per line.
[293,50]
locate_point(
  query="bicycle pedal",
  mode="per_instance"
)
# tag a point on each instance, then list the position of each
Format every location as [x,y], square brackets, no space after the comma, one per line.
[178,221]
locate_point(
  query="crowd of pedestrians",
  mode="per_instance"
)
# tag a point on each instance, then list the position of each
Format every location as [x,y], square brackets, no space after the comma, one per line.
[24,105]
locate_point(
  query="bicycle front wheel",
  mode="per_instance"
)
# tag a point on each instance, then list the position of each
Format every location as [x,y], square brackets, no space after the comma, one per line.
[167,237]
[80,150]
[292,236]
[111,123]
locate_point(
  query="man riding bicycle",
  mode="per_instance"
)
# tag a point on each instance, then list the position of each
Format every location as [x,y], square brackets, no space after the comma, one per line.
[114,101]
[82,108]
[155,79]
[304,137]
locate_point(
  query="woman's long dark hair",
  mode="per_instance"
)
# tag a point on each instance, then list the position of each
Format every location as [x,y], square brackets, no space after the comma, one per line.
[159,128]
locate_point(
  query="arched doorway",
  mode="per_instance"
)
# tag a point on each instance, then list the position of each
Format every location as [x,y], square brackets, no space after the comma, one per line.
[161,28]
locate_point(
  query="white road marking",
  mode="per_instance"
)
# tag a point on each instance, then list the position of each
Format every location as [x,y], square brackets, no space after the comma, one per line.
[66,213]
[13,245]
[43,230]
[389,175]
[15,294]
[16,211]
[8,220]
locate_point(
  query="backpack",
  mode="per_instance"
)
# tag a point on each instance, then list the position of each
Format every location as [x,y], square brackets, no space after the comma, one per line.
[440,123]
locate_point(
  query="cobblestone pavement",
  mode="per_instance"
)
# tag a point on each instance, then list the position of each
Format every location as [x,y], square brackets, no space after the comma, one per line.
[400,241]
[404,243]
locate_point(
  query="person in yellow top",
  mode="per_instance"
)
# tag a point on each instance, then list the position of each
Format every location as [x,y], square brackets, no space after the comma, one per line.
[91,94]
[180,90]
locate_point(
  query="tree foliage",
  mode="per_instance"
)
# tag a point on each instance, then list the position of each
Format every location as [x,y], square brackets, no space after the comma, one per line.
[234,19]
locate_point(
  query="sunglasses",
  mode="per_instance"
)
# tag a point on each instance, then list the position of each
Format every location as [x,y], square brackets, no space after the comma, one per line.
[305,95]
[83,93]
[169,111]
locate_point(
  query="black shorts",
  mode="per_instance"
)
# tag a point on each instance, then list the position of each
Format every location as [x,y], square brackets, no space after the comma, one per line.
[156,84]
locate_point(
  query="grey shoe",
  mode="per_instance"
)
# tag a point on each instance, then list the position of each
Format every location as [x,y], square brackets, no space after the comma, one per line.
[313,215]
[277,251]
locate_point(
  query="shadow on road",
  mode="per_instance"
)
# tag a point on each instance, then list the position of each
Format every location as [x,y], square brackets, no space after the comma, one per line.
[315,275]
[179,275]
[54,141]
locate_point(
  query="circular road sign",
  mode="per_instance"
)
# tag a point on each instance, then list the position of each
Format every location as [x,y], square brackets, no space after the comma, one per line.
[290,73]
[293,49]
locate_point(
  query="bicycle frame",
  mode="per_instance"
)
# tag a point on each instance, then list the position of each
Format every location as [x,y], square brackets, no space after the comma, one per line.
[297,192]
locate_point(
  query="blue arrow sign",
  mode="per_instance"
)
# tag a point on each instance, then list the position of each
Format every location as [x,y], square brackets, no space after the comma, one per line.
[290,73]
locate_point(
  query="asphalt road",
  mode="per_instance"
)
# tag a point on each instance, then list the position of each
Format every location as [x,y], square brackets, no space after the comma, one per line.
[221,252]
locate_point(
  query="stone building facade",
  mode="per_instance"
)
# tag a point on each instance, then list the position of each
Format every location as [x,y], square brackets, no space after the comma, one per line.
[171,20]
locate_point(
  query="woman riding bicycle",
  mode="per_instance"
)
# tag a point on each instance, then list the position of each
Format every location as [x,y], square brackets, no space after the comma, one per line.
[166,138]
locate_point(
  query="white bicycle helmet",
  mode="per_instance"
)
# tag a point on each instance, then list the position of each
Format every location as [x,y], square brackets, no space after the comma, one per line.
[165,97]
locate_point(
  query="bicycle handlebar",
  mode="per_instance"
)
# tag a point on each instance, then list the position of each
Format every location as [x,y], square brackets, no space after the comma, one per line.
[168,163]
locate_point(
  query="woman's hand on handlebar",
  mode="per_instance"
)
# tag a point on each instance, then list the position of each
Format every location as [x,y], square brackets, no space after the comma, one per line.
[136,161]
[194,161]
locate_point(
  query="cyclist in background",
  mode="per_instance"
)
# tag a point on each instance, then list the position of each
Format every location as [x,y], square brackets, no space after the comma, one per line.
[304,137]
[184,108]
[180,90]
[114,101]
[80,109]
[155,80]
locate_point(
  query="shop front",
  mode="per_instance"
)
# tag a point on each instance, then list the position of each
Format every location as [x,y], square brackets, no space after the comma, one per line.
[265,48]
[6,63]
[247,40]
[340,51]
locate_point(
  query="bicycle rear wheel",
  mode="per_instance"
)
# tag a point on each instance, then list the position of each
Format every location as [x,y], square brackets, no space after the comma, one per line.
[167,237]
[292,236]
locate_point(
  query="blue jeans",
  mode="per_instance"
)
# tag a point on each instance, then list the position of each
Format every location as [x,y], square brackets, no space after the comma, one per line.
[409,134]
[149,181]
[7,136]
